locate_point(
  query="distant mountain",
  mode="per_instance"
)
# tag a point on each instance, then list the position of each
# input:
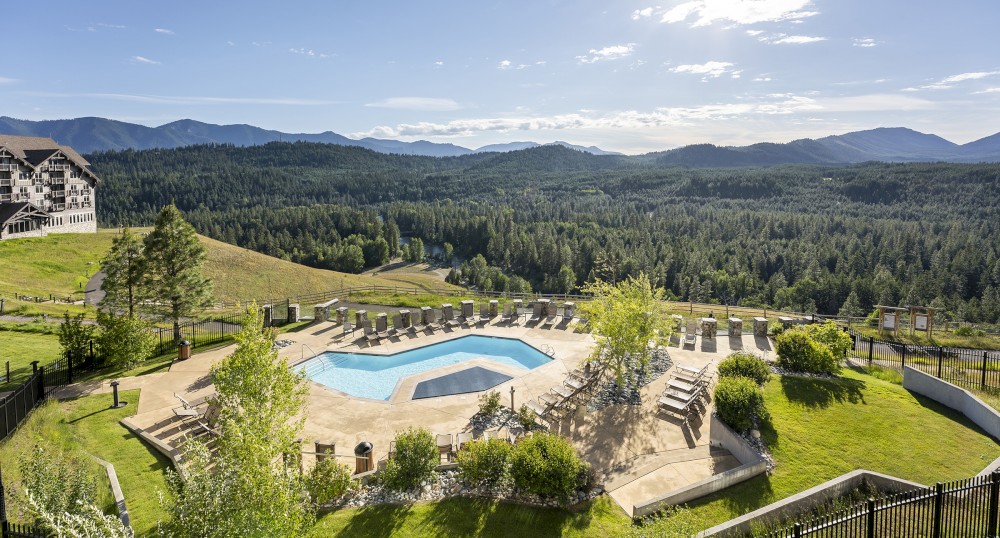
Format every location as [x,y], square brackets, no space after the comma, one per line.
[88,135]
[884,144]
[517,146]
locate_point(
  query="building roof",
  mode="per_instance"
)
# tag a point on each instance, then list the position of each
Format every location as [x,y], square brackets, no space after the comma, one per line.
[10,210]
[33,150]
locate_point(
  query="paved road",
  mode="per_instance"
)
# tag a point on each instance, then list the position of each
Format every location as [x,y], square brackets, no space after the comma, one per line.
[94,294]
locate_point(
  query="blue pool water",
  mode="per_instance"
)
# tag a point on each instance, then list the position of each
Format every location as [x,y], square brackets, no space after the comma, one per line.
[375,376]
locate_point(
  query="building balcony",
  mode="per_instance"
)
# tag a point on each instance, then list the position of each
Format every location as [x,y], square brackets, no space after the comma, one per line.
[6,198]
[55,168]
[8,168]
[58,207]
[6,182]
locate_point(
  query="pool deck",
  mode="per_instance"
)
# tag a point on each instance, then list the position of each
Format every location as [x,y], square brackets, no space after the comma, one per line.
[637,452]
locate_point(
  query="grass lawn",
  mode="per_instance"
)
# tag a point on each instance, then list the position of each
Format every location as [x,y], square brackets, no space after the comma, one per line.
[87,426]
[940,338]
[473,517]
[22,343]
[824,428]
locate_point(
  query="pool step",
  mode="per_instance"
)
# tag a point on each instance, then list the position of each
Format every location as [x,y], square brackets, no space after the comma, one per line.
[320,366]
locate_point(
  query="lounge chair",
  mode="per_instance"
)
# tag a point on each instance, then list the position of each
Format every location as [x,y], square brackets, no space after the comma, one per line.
[444,445]
[417,328]
[689,333]
[435,323]
[462,439]
[484,314]
[690,373]
[370,333]
[397,325]
[682,385]
[536,313]
[188,409]
[680,403]
[506,316]
[550,317]
[448,314]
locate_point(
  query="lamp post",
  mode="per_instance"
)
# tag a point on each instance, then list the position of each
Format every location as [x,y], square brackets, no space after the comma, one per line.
[512,399]
[118,404]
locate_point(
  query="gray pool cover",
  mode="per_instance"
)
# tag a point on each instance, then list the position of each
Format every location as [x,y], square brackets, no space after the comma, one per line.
[472,379]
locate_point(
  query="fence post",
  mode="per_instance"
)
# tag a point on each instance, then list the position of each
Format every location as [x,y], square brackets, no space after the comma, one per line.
[991,525]
[797,530]
[938,508]
[41,382]
[871,348]
[982,383]
[871,517]
[940,360]
[69,367]
[902,358]
[90,357]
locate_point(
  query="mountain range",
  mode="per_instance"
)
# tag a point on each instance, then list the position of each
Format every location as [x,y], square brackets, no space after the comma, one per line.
[898,144]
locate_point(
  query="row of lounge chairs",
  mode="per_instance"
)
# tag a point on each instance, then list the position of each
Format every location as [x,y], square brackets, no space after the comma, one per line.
[562,400]
[686,393]
[199,410]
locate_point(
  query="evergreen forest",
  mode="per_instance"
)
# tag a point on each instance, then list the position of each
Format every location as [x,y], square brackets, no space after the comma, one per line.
[808,238]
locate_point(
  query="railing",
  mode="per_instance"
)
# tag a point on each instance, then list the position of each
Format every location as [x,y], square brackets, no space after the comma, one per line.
[15,406]
[961,508]
[961,366]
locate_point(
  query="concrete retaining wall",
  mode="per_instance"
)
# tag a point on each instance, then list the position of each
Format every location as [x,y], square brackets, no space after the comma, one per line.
[719,435]
[954,397]
[801,502]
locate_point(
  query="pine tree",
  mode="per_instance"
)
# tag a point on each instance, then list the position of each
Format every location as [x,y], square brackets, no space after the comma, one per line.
[123,268]
[174,257]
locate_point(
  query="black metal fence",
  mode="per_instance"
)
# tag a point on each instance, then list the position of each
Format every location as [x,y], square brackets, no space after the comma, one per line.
[962,366]
[199,333]
[961,508]
[8,529]
[16,404]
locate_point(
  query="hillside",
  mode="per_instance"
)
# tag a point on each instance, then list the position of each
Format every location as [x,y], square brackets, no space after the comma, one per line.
[60,264]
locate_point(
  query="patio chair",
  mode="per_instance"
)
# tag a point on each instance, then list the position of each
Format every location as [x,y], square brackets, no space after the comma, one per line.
[435,323]
[462,439]
[397,325]
[444,445]
[188,409]
[690,374]
[506,316]
[448,313]
[417,328]
[536,313]
[484,313]
[370,333]
[381,327]
[689,332]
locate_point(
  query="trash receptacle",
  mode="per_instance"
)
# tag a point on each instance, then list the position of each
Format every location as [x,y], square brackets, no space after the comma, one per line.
[183,350]
[363,457]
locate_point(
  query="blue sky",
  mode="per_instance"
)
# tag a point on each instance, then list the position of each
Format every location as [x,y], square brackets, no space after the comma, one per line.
[626,76]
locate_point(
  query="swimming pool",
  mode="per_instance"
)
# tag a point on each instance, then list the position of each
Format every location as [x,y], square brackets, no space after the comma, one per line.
[375,376]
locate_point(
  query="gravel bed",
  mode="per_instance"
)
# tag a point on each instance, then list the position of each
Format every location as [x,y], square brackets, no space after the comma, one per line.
[628,393]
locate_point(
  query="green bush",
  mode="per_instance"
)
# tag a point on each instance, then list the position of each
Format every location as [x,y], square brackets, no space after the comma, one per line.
[328,480]
[486,463]
[966,330]
[737,401]
[798,351]
[526,417]
[775,328]
[124,341]
[489,403]
[830,335]
[745,364]
[546,464]
[415,459]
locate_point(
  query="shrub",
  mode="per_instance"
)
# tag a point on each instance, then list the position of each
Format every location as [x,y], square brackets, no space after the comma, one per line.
[775,328]
[485,463]
[124,341]
[966,330]
[489,403]
[328,480]
[525,417]
[737,401]
[745,364]
[415,459]
[799,352]
[546,464]
[830,335]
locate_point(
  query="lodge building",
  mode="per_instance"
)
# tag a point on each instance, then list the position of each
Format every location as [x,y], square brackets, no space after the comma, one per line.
[44,187]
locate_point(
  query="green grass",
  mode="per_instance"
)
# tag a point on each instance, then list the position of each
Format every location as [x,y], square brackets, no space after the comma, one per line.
[87,426]
[473,517]
[940,338]
[20,347]
[821,429]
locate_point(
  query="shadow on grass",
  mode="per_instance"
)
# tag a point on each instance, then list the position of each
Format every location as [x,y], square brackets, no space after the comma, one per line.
[378,520]
[821,393]
[741,498]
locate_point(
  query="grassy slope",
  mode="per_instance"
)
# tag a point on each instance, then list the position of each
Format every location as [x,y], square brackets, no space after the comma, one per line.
[822,429]
[57,264]
[86,426]
[473,517]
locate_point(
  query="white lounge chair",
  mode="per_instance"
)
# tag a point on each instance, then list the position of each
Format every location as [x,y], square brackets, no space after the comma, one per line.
[689,333]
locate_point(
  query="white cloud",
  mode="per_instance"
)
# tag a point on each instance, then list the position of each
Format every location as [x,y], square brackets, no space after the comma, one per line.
[613,52]
[949,82]
[430,104]
[865,42]
[988,90]
[144,60]
[115,26]
[504,64]
[709,69]
[784,39]
[706,12]
[439,63]
[164,31]
[644,13]
[308,52]
[762,78]
[4,81]
[230,43]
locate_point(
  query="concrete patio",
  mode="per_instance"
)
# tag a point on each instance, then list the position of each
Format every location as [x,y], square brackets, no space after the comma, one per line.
[638,452]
